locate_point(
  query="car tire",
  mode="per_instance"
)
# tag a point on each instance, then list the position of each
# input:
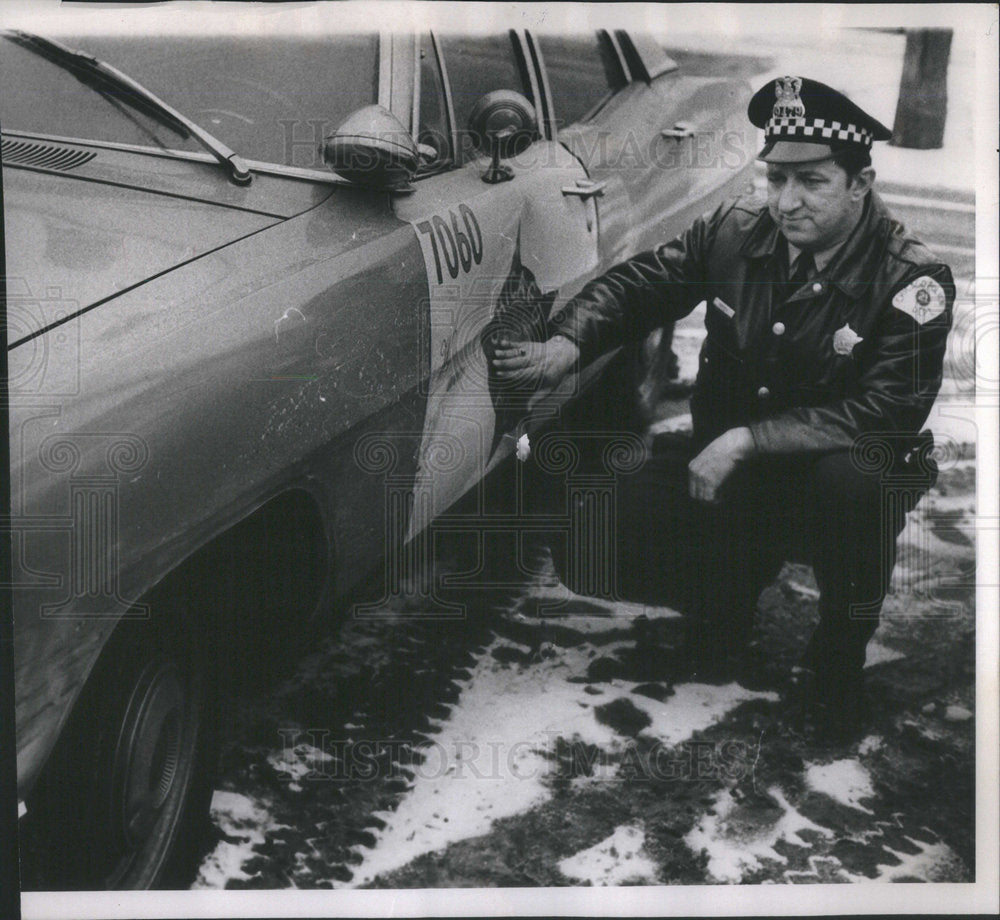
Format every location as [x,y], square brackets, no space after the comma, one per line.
[125,801]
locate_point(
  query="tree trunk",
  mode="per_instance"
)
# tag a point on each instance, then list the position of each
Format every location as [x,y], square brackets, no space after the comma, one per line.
[923,90]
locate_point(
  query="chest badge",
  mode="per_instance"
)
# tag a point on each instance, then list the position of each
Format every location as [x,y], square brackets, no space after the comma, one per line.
[844,340]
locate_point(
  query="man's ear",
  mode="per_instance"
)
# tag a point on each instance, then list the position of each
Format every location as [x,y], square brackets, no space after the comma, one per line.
[862,183]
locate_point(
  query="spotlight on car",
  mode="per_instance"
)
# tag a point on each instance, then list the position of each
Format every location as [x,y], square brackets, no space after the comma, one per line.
[371,148]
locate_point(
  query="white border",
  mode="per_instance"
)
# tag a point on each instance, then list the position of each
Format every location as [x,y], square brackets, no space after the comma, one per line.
[728,20]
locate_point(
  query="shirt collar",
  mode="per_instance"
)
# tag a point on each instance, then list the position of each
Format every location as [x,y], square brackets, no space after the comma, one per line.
[820,259]
[847,266]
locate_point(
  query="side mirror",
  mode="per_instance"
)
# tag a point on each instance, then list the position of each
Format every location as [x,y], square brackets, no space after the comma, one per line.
[372,148]
[503,124]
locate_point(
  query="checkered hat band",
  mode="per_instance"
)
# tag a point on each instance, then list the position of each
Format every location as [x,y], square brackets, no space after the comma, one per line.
[816,129]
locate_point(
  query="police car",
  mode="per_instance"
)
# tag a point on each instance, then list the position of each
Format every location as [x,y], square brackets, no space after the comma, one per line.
[251,286]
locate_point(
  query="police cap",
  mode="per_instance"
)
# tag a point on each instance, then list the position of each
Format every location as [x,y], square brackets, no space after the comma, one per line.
[805,120]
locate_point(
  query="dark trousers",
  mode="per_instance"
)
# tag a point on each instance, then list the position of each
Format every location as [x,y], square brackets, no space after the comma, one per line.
[713,561]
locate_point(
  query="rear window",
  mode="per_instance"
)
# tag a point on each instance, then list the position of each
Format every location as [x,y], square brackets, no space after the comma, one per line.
[478,65]
[583,74]
[271,99]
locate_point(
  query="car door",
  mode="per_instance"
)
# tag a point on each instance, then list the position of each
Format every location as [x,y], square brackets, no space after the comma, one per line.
[662,146]
[580,76]
[701,147]
[497,256]
[665,146]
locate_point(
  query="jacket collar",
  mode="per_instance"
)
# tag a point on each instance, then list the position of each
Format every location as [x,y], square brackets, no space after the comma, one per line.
[853,263]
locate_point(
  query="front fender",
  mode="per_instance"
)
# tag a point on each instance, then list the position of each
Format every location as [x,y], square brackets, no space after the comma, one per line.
[195,397]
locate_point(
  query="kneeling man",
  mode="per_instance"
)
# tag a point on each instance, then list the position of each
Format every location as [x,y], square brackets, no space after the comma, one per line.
[826,325]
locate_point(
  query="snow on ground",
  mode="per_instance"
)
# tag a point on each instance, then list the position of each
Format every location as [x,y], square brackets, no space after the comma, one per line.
[845,781]
[585,615]
[488,761]
[492,756]
[736,837]
[870,744]
[298,763]
[936,862]
[616,860]
[693,708]
[246,822]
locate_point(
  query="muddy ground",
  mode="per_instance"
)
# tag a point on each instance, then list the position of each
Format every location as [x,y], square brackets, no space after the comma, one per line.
[530,742]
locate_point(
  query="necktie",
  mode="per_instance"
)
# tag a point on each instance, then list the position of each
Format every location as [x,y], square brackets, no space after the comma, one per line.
[801,270]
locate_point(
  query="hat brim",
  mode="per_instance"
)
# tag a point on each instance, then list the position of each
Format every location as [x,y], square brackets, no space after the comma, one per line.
[794,152]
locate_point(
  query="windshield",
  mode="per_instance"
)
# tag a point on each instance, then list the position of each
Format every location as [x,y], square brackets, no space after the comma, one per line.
[269,99]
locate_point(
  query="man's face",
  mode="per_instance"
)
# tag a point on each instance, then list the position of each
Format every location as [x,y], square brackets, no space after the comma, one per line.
[813,204]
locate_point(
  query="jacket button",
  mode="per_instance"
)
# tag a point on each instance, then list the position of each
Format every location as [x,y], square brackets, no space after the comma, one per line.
[763,393]
[817,287]
[778,329]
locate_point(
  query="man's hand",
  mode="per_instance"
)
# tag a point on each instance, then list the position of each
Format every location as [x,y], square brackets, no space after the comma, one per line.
[543,364]
[712,467]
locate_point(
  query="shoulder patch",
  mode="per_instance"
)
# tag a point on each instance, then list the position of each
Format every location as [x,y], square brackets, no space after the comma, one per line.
[923,299]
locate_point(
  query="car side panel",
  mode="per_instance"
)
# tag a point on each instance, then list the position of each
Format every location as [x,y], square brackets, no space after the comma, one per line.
[657,185]
[531,246]
[691,175]
[201,393]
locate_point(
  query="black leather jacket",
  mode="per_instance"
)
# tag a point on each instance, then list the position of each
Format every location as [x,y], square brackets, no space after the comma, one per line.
[834,361]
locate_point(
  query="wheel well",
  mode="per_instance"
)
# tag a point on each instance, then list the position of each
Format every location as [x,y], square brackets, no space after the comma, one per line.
[234,609]
[269,570]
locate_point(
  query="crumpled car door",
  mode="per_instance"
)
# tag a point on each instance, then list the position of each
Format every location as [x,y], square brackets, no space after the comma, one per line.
[497,258]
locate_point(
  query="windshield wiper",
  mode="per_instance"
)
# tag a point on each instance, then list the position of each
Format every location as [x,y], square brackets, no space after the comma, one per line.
[105,78]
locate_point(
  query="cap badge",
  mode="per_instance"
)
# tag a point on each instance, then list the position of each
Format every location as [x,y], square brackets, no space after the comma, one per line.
[788,103]
[844,340]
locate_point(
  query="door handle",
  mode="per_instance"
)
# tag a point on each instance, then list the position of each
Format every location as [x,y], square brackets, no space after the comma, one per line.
[585,188]
[679,131]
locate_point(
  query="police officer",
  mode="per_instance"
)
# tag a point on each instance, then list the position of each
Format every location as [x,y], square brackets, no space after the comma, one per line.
[825,325]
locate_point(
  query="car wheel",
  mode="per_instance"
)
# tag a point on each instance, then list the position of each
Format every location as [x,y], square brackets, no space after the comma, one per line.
[122,804]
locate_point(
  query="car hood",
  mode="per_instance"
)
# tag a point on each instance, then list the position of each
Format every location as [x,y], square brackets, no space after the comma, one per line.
[76,239]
